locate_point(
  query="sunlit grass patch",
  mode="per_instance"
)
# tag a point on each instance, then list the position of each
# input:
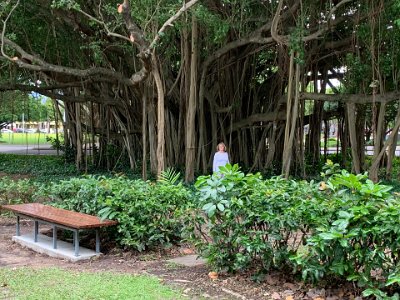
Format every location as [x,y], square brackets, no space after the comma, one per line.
[55,283]
[24,138]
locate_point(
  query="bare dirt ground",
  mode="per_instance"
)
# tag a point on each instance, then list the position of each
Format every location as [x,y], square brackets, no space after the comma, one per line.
[193,281]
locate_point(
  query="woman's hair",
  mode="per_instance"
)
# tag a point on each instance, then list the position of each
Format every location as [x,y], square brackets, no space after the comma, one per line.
[223,144]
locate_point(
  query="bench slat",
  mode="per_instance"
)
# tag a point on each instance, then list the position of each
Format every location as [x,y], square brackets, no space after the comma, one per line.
[60,216]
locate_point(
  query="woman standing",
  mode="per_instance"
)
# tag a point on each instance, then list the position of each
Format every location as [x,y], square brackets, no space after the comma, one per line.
[220,157]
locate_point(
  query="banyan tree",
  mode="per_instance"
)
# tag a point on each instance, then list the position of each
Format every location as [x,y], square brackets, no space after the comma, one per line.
[161,82]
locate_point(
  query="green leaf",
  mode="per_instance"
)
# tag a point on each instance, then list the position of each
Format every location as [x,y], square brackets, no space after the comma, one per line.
[327,236]
[207,206]
[220,207]
[393,278]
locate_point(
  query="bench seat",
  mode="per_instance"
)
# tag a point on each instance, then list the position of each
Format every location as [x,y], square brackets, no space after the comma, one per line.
[58,218]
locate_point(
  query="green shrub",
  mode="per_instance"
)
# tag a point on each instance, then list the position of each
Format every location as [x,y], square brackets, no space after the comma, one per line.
[245,222]
[346,228]
[40,167]
[148,213]
[17,191]
[81,194]
[360,241]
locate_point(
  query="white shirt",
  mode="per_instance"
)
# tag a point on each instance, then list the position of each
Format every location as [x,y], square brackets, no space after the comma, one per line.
[220,160]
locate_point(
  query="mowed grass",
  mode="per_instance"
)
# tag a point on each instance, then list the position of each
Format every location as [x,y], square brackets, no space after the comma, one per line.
[54,283]
[24,138]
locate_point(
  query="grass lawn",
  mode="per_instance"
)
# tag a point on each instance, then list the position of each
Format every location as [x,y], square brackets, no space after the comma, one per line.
[53,283]
[24,138]
[332,142]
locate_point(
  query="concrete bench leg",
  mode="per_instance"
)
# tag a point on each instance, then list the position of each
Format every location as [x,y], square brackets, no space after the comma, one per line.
[36,231]
[54,237]
[76,242]
[97,241]
[18,227]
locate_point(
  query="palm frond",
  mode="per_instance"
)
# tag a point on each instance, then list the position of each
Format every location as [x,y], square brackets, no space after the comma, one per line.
[170,176]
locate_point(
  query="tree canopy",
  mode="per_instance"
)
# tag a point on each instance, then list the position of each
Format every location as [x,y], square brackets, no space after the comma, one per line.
[165,81]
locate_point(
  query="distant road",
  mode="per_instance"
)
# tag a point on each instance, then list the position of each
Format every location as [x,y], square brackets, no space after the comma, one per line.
[28,149]
[369,150]
[47,150]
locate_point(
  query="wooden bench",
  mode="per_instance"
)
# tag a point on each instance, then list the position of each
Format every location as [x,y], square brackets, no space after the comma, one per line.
[58,218]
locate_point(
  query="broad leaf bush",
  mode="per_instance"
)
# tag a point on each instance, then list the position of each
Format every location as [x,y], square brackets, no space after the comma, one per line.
[17,191]
[361,240]
[346,227]
[148,213]
[243,221]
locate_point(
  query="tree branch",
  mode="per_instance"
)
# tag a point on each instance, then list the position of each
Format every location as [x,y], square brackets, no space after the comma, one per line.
[109,32]
[169,22]
[51,92]
[284,39]
[31,62]
[4,30]
[274,27]
[353,98]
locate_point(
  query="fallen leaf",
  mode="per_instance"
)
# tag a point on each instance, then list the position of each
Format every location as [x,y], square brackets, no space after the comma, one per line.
[275,296]
[341,294]
[271,280]
[290,286]
[187,251]
[213,275]
[288,293]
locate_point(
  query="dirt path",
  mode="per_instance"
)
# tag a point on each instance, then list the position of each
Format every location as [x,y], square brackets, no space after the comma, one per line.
[193,281]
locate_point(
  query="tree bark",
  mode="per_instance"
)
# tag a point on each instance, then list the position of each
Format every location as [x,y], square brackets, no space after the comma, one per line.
[160,117]
[144,135]
[351,121]
[191,107]
[377,157]
[373,171]
[291,119]
[151,120]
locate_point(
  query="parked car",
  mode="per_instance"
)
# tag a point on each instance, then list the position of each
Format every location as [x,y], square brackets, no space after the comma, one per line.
[31,130]
[5,130]
[19,130]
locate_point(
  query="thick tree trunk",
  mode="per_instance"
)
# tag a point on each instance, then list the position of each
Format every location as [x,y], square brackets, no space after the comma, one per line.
[351,122]
[151,120]
[144,134]
[315,125]
[260,150]
[184,93]
[360,131]
[377,157]
[271,146]
[391,155]
[191,108]
[373,171]
[78,128]
[291,116]
[344,140]
[160,117]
